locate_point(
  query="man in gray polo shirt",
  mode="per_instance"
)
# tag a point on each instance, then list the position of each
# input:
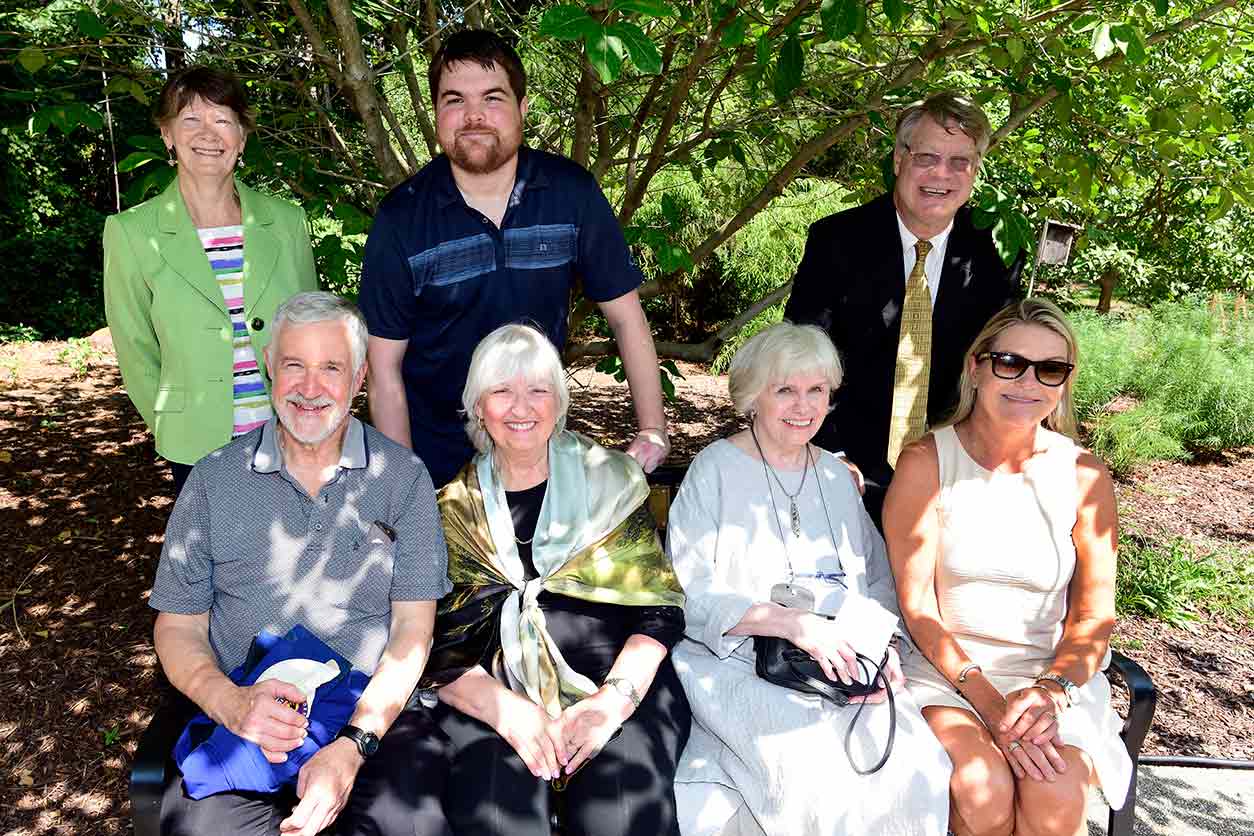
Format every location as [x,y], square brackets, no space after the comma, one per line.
[318,520]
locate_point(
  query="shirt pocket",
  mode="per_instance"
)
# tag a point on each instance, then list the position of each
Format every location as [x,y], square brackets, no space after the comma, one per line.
[540,247]
[374,556]
[452,262]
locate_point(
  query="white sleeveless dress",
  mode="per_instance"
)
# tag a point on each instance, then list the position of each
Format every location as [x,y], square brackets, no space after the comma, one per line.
[1006,562]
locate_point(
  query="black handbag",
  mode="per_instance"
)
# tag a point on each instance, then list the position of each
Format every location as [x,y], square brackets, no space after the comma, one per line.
[782,663]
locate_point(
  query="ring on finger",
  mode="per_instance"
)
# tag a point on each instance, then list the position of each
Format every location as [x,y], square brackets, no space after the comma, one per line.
[1014,744]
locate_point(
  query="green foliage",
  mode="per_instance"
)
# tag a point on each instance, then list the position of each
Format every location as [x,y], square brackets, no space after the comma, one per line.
[79,355]
[667,372]
[1186,380]
[18,334]
[1173,582]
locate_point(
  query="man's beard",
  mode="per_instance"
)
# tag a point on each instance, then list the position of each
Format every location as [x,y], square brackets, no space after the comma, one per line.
[332,420]
[480,156]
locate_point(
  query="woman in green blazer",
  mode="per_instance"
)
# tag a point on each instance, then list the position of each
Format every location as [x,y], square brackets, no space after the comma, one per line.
[193,276]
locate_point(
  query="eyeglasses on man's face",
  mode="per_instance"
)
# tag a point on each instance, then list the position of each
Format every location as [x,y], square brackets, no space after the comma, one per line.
[1010,366]
[926,160]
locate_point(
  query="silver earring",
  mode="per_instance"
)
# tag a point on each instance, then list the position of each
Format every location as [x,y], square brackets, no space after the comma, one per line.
[173,160]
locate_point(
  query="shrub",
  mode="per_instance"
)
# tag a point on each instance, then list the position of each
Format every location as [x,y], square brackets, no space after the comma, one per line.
[1189,378]
[1172,581]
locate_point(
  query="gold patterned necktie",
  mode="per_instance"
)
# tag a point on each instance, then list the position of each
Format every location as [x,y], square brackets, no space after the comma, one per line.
[914,359]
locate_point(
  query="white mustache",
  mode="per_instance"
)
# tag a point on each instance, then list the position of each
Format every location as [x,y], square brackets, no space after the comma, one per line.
[302,401]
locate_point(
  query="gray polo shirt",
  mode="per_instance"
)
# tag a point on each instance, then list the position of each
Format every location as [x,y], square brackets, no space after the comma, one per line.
[249,546]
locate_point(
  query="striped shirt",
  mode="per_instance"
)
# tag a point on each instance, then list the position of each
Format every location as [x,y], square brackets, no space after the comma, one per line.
[224,245]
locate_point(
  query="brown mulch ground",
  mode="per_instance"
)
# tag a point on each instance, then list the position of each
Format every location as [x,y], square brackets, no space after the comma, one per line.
[83,502]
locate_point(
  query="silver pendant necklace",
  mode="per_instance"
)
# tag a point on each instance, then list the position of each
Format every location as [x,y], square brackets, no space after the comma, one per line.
[794,517]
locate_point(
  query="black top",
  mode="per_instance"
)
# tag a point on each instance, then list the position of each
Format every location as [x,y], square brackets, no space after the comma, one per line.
[590,634]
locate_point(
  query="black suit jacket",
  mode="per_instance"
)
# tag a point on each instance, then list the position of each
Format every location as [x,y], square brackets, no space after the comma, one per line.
[850,283]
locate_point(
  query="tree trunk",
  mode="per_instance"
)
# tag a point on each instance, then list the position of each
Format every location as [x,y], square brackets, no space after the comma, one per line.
[172,37]
[1108,280]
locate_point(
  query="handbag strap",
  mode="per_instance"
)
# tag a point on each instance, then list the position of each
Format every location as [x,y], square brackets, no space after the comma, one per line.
[892,717]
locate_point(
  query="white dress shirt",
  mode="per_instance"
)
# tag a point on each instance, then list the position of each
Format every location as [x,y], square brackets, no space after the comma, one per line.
[935,258]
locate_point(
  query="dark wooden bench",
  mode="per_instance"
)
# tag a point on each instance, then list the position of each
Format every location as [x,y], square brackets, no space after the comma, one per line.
[152,758]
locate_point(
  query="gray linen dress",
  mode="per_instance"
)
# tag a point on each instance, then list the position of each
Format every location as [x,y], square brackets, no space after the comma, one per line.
[763,759]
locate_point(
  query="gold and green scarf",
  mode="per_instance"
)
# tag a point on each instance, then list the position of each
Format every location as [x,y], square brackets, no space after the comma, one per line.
[595,540]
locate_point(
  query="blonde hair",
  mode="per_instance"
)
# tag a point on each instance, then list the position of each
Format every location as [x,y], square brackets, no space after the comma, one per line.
[776,352]
[1028,312]
[504,354]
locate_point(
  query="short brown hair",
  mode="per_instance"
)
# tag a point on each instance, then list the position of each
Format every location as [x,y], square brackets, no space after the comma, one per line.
[946,108]
[485,48]
[209,83]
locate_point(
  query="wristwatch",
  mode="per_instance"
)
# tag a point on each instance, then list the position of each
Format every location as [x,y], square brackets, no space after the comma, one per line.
[367,742]
[1069,689]
[625,688]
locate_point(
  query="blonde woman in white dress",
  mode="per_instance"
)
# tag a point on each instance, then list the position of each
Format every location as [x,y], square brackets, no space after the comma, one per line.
[757,510]
[1002,533]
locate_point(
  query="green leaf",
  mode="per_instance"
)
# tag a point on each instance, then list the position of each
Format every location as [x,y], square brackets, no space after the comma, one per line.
[644,53]
[135,159]
[32,59]
[1103,45]
[90,25]
[1130,41]
[609,365]
[672,369]
[840,18]
[354,221]
[1212,58]
[762,60]
[788,69]
[1084,23]
[672,211]
[1015,47]
[649,8]
[147,143]
[1223,207]
[605,54]
[1160,6]
[1012,233]
[895,11]
[138,94]
[734,35]
[1062,107]
[568,23]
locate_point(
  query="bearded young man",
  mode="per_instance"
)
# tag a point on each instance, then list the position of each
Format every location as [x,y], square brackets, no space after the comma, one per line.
[312,520]
[488,233]
[902,285]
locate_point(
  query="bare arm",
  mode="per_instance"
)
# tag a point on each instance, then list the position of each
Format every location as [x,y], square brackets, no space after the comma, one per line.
[635,346]
[912,532]
[1091,594]
[385,387]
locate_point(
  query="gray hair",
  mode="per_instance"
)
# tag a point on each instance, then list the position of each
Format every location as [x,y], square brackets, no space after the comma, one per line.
[320,306]
[502,355]
[947,109]
[777,352]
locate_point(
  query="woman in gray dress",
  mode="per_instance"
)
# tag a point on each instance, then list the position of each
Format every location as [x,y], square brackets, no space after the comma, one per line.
[764,517]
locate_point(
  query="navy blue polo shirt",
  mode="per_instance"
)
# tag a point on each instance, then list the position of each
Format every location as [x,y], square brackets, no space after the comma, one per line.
[442,276]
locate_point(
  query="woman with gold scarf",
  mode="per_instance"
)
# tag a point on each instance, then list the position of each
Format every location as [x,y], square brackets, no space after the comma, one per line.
[552,651]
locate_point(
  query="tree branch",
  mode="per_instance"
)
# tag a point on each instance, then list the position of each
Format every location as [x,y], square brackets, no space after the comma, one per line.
[399,34]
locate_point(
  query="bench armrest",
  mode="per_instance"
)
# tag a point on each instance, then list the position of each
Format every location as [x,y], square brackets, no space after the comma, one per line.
[148,770]
[1142,698]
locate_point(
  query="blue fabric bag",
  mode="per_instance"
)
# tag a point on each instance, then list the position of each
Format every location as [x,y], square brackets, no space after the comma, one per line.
[213,759]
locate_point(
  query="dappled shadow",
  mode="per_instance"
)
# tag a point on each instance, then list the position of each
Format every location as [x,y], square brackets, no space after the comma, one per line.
[80,485]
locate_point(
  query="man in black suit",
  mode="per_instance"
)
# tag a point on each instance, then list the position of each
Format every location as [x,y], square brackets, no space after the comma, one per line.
[854,278]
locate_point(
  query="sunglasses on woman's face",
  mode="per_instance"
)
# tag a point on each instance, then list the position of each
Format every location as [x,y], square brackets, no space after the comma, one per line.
[1010,366]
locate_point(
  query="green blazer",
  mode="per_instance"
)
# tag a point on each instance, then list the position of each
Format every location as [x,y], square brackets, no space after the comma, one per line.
[169,322]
